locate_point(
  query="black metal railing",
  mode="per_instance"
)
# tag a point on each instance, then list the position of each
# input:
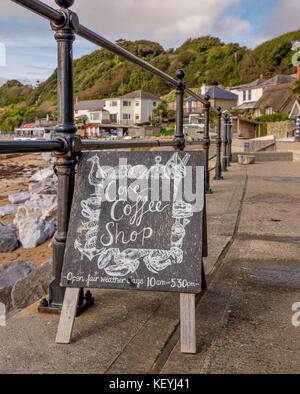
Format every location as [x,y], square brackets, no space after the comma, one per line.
[66,144]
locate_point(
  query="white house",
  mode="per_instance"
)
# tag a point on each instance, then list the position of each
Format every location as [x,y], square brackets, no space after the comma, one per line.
[93,110]
[133,108]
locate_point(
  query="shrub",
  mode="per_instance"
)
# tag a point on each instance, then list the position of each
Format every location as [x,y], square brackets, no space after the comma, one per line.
[272,118]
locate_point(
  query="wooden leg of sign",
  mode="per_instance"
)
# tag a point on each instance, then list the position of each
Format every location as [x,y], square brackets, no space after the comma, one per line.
[187,323]
[67,316]
[203,278]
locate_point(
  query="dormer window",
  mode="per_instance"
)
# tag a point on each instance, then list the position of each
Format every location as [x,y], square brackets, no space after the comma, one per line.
[269,111]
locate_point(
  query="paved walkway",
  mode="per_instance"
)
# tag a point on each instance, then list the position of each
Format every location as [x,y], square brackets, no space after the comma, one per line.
[243,321]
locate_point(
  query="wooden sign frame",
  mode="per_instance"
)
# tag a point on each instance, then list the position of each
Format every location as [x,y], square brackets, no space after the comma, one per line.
[187,300]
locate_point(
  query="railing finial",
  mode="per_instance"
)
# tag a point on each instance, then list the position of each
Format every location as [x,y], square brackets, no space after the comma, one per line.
[180,74]
[64,3]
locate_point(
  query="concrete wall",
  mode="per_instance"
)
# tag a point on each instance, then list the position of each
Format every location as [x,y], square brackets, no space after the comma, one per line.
[265,156]
[281,129]
[140,132]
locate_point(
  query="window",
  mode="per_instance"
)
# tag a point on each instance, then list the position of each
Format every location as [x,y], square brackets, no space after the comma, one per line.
[126,103]
[126,116]
[257,112]
[137,117]
[113,117]
[269,111]
[249,95]
[113,103]
[244,95]
[137,104]
[154,104]
[95,116]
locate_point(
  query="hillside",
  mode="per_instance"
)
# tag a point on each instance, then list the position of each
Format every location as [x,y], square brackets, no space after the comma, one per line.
[206,59]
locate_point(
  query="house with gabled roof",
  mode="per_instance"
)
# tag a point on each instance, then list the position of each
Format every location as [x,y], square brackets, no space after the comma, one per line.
[218,97]
[93,110]
[275,99]
[250,93]
[132,108]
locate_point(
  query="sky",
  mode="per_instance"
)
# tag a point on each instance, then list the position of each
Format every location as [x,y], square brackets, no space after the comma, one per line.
[30,48]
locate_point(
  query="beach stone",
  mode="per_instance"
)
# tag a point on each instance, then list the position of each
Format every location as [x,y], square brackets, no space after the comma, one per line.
[8,239]
[47,190]
[9,209]
[10,273]
[42,174]
[41,199]
[37,209]
[31,288]
[34,231]
[19,198]
[37,187]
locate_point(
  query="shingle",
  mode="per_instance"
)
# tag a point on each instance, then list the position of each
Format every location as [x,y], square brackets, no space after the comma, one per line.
[141,95]
[217,93]
[92,105]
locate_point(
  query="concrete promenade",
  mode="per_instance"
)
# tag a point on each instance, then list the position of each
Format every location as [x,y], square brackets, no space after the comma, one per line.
[244,320]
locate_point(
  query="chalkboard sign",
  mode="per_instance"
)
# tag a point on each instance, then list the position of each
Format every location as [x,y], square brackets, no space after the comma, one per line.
[136,222]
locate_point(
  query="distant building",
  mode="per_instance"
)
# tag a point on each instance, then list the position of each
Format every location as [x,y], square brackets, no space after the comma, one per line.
[250,93]
[275,99]
[93,110]
[133,108]
[218,97]
[33,133]
[245,128]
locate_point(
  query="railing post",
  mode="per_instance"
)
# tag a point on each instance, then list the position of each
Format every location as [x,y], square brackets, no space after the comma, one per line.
[65,161]
[206,145]
[225,143]
[228,152]
[229,140]
[218,174]
[179,135]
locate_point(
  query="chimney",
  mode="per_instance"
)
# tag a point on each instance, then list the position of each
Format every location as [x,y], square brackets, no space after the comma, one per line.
[298,73]
[204,89]
[261,76]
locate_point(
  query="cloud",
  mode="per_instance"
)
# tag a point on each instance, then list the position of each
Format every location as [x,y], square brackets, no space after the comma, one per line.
[282,18]
[168,21]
